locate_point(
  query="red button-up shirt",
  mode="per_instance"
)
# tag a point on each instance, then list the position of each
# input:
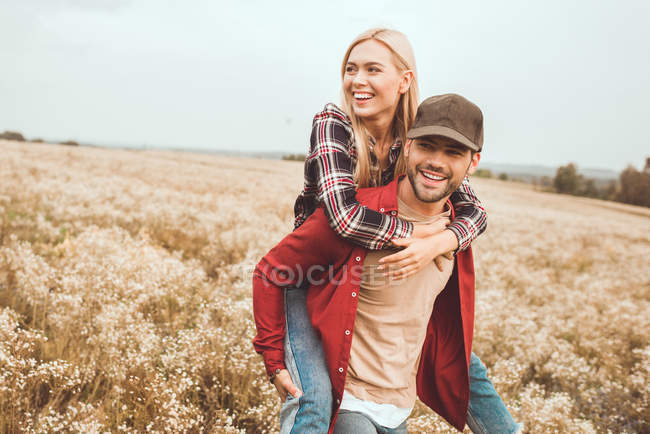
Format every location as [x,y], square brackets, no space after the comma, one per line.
[314,253]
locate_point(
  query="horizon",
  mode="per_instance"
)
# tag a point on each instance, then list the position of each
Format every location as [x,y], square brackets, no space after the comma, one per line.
[556,85]
[274,155]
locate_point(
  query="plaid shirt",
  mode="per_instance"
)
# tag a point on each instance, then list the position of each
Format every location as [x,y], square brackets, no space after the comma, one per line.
[329,180]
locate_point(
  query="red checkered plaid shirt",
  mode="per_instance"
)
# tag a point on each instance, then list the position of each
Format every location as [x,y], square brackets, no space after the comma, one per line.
[329,179]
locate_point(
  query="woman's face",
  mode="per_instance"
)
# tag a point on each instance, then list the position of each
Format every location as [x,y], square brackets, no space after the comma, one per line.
[372,82]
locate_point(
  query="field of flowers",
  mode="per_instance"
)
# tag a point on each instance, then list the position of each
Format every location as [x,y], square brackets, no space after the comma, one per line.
[125,296]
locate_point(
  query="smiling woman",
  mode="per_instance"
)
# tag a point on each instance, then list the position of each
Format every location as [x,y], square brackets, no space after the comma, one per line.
[380,96]
[374,84]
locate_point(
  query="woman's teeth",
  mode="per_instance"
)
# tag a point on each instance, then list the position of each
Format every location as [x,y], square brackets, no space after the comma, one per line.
[362,95]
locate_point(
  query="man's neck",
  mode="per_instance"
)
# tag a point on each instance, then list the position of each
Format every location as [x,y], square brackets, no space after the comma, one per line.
[406,194]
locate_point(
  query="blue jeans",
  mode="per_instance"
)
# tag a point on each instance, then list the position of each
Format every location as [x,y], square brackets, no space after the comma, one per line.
[487,413]
[311,413]
[305,360]
[352,422]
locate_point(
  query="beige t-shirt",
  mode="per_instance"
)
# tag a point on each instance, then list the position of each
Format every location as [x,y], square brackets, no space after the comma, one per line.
[390,326]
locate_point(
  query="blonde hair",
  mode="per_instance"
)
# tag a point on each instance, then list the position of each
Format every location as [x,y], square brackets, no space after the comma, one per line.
[407,105]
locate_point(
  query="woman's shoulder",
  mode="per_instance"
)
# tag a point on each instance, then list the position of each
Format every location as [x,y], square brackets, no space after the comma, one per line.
[331,131]
[334,113]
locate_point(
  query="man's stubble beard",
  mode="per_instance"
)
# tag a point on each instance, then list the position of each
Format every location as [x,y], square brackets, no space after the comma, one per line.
[452,185]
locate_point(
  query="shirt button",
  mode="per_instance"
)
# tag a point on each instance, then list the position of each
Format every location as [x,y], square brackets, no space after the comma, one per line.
[347,332]
[354,294]
[338,401]
[358,258]
[341,370]
[393,212]
[381,210]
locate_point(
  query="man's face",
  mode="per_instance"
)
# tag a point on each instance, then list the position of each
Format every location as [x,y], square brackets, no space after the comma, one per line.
[437,165]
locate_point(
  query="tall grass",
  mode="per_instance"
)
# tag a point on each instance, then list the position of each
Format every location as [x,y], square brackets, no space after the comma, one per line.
[125,293]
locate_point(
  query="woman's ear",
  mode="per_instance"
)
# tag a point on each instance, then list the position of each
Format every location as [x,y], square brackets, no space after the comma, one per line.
[405,82]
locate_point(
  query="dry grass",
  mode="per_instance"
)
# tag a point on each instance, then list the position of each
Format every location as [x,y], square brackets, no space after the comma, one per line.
[125,296]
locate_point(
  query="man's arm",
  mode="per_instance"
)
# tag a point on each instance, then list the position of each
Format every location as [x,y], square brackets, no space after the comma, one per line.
[301,256]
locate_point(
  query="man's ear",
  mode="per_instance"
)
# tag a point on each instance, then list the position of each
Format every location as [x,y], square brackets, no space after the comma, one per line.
[407,147]
[405,83]
[474,163]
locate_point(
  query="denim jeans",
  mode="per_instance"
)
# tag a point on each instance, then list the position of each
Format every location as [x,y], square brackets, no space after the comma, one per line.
[305,361]
[487,413]
[311,412]
[352,422]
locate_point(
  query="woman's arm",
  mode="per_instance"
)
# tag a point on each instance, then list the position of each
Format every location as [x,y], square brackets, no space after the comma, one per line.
[331,165]
[469,222]
[471,218]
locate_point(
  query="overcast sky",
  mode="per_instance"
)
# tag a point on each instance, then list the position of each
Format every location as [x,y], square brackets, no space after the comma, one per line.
[558,81]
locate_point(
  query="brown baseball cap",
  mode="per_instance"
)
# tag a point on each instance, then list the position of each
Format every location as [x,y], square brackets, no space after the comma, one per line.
[451,116]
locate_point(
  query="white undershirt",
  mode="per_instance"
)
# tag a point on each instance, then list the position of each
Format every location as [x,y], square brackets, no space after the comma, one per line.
[386,415]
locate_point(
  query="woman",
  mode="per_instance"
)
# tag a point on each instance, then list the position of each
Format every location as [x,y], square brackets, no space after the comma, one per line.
[361,145]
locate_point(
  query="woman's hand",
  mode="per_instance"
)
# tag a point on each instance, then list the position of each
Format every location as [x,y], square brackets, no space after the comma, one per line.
[284,384]
[418,253]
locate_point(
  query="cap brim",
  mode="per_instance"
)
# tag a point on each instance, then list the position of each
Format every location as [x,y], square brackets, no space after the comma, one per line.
[438,130]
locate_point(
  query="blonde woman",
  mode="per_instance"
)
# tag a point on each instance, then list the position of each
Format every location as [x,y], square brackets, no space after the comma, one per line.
[360,145]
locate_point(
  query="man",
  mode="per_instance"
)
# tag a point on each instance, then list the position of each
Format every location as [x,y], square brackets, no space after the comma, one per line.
[385,342]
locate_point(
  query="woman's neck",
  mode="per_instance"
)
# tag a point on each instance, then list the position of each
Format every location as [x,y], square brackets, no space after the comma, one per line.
[381,130]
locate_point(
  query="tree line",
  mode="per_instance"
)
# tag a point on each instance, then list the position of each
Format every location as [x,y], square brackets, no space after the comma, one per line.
[18,137]
[633,186]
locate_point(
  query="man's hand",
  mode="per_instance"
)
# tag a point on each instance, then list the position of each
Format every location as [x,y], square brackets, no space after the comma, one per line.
[417,254]
[284,385]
